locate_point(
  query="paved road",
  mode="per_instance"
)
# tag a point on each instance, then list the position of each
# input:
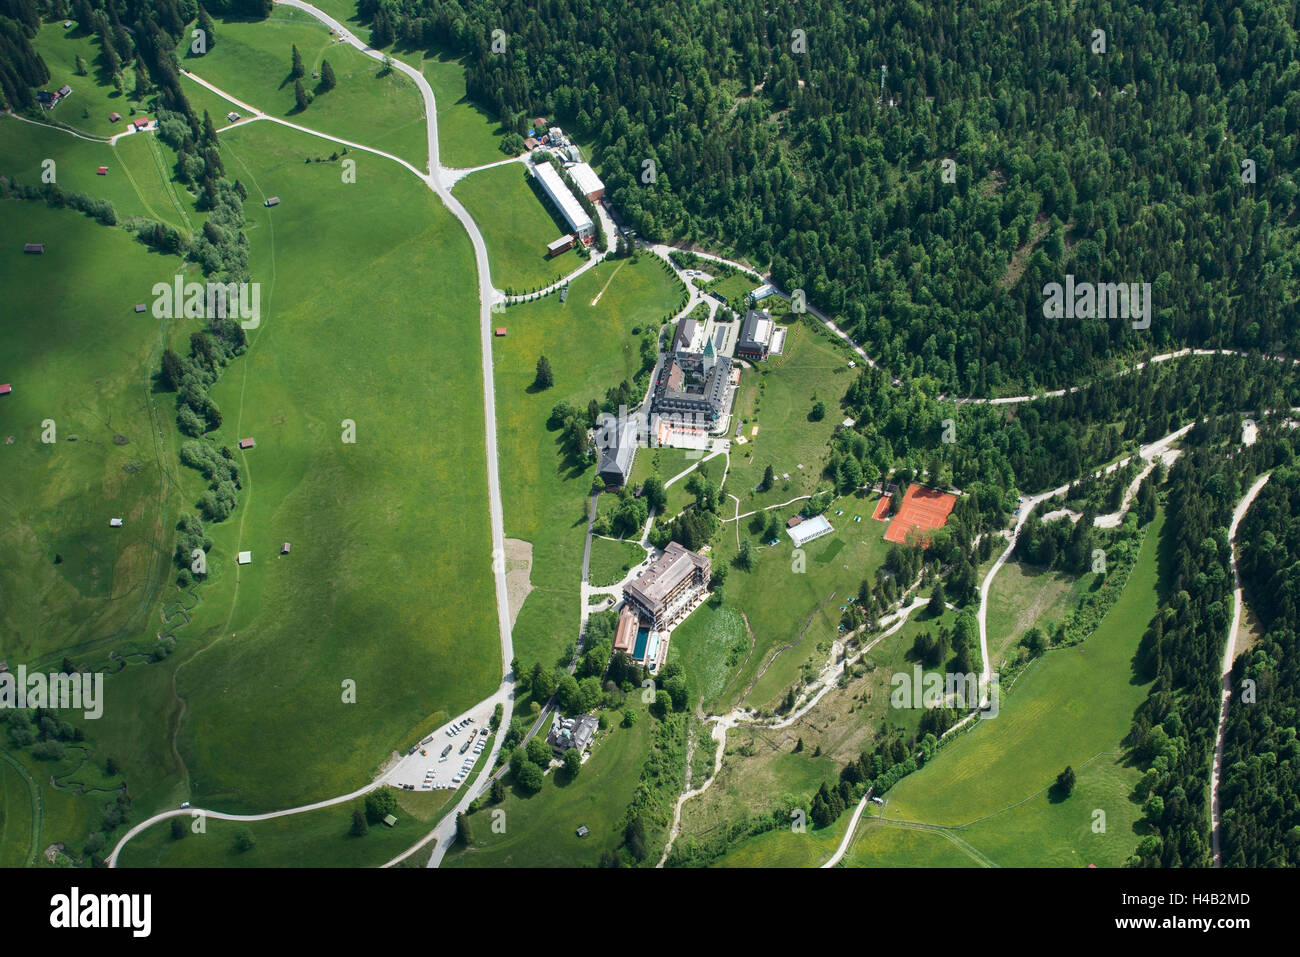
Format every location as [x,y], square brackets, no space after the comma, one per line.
[1229,655]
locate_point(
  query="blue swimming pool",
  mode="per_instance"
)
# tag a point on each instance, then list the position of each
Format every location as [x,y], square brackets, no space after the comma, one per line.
[642,636]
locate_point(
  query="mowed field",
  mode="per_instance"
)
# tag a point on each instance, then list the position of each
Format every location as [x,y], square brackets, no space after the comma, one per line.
[516,223]
[1023,596]
[137,183]
[777,397]
[79,358]
[390,572]
[590,349]
[1073,707]
[611,560]
[251,61]
[467,136]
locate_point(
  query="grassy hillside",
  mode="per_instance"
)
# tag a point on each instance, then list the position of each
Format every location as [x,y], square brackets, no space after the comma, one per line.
[516,223]
[391,548]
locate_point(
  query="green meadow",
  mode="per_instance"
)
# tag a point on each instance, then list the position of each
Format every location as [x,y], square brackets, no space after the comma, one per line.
[890,844]
[138,179]
[1023,596]
[93,97]
[786,847]
[544,496]
[776,397]
[517,223]
[381,527]
[467,136]
[1072,707]
[251,61]
[320,838]
[81,377]
[612,560]
[541,830]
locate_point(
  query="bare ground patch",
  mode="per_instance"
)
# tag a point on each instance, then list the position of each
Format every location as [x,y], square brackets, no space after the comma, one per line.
[519,567]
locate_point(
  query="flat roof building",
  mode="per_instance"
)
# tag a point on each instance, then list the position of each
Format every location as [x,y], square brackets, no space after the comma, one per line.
[810,528]
[557,246]
[564,200]
[672,582]
[688,331]
[755,335]
[587,181]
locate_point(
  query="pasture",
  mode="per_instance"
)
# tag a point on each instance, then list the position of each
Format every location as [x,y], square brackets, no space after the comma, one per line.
[391,560]
[1074,706]
[251,61]
[517,223]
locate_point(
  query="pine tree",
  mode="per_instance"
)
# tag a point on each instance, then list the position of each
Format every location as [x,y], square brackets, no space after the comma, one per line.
[300,96]
[326,75]
[359,826]
[209,29]
[81,66]
[463,833]
[544,377]
[297,71]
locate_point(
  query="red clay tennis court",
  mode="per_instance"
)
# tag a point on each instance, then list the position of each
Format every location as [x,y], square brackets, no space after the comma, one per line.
[922,508]
[882,509]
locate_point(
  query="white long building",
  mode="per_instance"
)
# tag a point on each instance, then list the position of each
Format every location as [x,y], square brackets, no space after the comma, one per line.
[564,200]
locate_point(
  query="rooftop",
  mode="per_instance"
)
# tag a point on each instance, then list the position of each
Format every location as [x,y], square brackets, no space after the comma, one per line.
[665,573]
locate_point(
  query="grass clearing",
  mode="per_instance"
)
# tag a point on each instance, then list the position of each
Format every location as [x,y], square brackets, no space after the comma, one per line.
[516,223]
[1023,596]
[467,135]
[1068,708]
[397,359]
[612,560]
[250,60]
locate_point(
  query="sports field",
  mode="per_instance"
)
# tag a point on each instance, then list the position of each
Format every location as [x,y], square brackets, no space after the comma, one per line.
[922,510]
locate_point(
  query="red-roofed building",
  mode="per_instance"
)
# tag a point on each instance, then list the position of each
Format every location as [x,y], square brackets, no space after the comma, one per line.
[246,443]
[141,123]
[500,331]
[6,388]
[114,117]
[102,171]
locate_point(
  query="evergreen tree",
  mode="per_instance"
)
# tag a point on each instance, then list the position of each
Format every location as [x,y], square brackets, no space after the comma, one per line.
[297,71]
[327,81]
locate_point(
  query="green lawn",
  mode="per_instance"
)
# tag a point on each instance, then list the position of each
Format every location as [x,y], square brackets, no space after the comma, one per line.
[251,61]
[138,179]
[1023,596]
[19,830]
[777,397]
[317,839]
[545,497]
[786,847]
[467,136]
[517,223]
[390,568]
[540,831]
[1069,708]
[612,560]
[885,844]
[70,580]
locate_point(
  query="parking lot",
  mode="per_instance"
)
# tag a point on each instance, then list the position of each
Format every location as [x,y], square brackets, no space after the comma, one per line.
[445,758]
